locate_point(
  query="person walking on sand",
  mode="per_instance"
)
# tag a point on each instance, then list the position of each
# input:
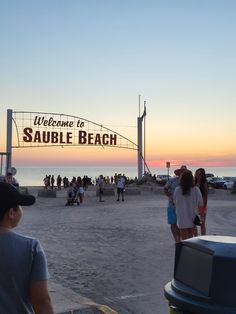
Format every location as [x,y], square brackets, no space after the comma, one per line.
[101,184]
[120,187]
[23,266]
[201,181]
[169,189]
[187,199]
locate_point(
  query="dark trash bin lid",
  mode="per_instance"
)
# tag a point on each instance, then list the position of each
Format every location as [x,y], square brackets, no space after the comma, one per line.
[204,275]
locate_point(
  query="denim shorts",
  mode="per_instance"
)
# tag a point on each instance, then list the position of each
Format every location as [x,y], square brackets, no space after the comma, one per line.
[171,215]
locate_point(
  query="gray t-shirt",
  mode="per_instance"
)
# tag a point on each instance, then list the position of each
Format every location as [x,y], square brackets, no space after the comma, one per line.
[22,261]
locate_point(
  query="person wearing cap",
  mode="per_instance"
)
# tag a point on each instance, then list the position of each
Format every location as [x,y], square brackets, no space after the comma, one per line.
[169,189]
[23,266]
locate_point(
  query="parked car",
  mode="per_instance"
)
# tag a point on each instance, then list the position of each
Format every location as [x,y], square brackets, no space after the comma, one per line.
[229,178]
[229,183]
[209,176]
[217,182]
[162,179]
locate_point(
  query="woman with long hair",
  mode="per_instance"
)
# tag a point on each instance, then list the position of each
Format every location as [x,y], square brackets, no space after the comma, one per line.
[187,199]
[201,182]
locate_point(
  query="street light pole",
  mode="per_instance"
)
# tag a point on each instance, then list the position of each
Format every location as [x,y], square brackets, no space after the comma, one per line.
[144,137]
[139,101]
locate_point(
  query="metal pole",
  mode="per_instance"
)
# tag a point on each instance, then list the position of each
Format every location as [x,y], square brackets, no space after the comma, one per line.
[9,139]
[140,148]
[1,163]
[139,100]
[144,137]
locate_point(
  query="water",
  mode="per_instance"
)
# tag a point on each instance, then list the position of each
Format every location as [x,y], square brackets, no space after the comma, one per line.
[33,176]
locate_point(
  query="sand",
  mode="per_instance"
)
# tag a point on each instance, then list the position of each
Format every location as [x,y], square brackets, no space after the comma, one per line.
[117,254]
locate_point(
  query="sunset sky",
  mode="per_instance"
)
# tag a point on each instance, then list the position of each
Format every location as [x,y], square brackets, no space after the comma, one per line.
[92,59]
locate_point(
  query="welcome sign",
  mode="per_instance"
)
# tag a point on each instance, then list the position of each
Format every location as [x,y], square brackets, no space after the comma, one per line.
[52,129]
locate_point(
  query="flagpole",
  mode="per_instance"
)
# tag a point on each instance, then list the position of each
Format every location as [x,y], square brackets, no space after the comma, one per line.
[144,138]
[139,100]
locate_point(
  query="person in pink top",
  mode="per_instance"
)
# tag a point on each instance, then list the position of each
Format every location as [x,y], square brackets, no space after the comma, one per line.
[201,182]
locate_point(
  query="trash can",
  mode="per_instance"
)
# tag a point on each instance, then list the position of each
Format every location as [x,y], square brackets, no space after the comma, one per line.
[204,276]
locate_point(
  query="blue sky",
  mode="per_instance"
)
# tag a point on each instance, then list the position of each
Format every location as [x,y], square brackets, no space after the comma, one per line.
[93,58]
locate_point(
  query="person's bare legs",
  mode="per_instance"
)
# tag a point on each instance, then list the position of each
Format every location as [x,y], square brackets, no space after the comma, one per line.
[175,231]
[187,233]
[203,224]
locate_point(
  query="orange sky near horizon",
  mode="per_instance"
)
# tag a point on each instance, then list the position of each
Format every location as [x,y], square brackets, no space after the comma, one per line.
[98,61]
[78,156]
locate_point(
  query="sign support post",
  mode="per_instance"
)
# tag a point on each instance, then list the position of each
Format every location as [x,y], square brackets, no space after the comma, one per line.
[9,139]
[168,169]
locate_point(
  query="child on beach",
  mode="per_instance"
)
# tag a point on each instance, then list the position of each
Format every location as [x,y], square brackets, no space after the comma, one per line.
[23,267]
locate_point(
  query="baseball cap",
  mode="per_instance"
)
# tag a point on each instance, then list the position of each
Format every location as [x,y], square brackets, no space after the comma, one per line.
[10,197]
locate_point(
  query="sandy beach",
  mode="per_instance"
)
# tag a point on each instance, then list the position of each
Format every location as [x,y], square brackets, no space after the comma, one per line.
[117,254]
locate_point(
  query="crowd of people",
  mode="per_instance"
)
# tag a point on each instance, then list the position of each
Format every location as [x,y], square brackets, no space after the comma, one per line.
[187,194]
[51,183]
[187,197]
[118,179]
[78,185]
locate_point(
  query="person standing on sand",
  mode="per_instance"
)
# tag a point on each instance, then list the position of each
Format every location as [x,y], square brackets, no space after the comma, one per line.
[187,199]
[52,182]
[80,188]
[59,180]
[201,182]
[120,187]
[169,189]
[23,266]
[101,184]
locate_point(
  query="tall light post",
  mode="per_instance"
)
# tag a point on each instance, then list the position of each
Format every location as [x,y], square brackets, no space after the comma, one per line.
[139,104]
[144,136]
[141,158]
